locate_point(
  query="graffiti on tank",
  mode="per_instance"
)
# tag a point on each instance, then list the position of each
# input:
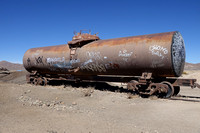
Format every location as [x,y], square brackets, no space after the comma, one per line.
[39,60]
[56,63]
[94,67]
[158,50]
[89,61]
[60,65]
[55,60]
[94,55]
[125,59]
[73,61]
[124,53]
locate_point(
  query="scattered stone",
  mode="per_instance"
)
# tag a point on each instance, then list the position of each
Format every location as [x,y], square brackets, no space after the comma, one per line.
[52,104]
[74,103]
[43,105]
[28,91]
[156,131]
[57,105]
[131,96]
[21,97]
[51,131]
[153,97]
[88,92]
[48,104]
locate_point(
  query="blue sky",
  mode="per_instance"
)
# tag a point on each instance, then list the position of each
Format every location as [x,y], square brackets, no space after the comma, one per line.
[26,24]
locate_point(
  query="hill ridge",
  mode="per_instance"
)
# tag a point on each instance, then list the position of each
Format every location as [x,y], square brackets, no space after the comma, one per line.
[11,66]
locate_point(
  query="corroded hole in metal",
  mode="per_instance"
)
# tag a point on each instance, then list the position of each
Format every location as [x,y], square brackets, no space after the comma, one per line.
[178,53]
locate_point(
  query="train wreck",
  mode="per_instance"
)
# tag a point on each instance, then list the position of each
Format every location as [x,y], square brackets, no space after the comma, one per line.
[149,64]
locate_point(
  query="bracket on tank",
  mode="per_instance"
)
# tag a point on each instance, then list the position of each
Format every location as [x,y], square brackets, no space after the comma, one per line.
[145,76]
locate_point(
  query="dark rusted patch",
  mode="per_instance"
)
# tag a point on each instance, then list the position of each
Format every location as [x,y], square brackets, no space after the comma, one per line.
[135,40]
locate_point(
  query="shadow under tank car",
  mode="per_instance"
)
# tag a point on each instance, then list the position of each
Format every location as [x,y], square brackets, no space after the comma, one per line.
[149,64]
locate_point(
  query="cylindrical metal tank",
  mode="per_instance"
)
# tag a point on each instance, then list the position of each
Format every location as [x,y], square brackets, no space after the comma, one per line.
[161,54]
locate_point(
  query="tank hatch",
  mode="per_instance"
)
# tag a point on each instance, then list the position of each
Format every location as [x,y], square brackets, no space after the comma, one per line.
[80,39]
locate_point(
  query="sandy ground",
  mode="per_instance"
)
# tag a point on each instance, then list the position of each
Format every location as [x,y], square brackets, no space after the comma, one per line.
[26,108]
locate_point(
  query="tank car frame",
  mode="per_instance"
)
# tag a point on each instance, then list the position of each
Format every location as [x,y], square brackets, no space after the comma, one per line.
[144,85]
[152,74]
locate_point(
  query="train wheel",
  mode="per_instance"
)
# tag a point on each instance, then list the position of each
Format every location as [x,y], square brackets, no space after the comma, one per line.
[35,81]
[32,81]
[176,90]
[170,90]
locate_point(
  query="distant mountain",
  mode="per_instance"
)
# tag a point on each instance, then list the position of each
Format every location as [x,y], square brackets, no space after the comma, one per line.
[11,66]
[190,66]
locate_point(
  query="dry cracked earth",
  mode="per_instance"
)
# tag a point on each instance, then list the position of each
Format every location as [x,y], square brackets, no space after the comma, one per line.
[93,108]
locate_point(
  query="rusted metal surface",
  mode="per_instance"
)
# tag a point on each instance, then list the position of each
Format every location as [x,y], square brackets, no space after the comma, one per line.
[129,56]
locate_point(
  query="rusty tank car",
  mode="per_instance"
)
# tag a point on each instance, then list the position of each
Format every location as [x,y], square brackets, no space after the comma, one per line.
[149,64]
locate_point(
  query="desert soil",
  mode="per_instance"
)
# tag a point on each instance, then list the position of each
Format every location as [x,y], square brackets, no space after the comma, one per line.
[25,108]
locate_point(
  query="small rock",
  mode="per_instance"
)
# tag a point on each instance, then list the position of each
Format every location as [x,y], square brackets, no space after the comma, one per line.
[31,103]
[74,103]
[28,91]
[40,104]
[156,131]
[36,102]
[51,104]
[44,105]
[48,104]
[21,97]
